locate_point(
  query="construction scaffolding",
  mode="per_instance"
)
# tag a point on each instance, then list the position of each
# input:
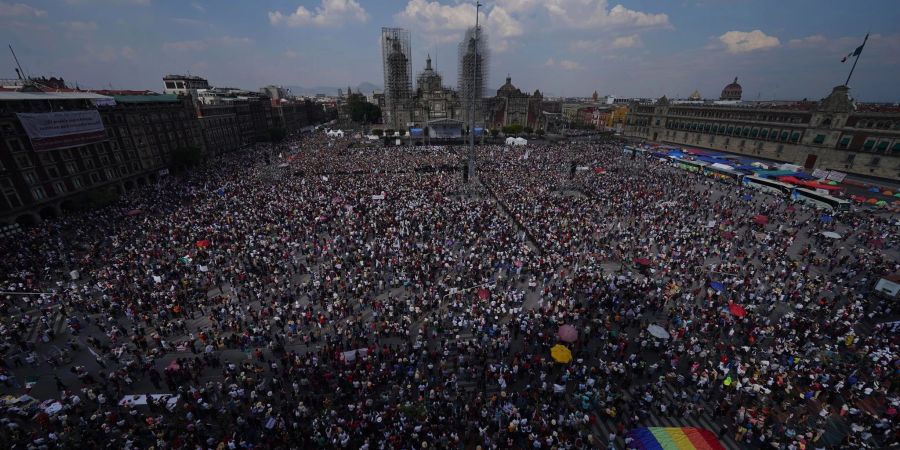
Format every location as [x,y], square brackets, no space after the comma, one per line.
[395,52]
[473,75]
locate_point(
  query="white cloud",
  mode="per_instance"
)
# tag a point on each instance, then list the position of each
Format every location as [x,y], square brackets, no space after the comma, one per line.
[186,46]
[565,64]
[20,9]
[197,45]
[232,40]
[569,64]
[631,41]
[598,45]
[436,17]
[443,23]
[109,53]
[808,41]
[198,7]
[330,12]
[188,21]
[78,26]
[742,41]
[597,13]
[121,2]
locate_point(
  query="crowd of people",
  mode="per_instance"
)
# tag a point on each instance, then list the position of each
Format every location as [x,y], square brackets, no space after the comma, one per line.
[323,293]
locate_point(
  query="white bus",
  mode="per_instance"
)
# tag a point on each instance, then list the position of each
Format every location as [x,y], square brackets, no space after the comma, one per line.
[823,201]
[766,185]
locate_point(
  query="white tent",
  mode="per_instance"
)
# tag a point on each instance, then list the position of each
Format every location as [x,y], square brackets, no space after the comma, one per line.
[516,141]
[335,133]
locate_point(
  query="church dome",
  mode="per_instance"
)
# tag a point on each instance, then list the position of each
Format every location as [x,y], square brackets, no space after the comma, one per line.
[733,91]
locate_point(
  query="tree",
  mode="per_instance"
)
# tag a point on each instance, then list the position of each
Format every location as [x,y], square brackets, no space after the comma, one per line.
[540,131]
[378,132]
[528,130]
[361,111]
[495,132]
[512,129]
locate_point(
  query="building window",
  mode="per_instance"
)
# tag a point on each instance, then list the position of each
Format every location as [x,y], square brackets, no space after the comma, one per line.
[780,149]
[896,149]
[15,145]
[820,138]
[869,144]
[784,135]
[745,132]
[754,133]
[737,131]
[38,193]
[53,172]
[764,133]
[23,161]
[727,141]
[795,137]
[850,158]
[712,139]
[76,181]
[875,160]
[729,130]
[30,177]
[883,146]
[95,177]
[845,142]
[59,187]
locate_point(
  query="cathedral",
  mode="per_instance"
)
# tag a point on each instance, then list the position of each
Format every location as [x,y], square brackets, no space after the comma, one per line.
[432,100]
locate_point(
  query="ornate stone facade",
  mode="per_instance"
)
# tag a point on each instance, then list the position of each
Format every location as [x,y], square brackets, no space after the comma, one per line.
[834,133]
[511,106]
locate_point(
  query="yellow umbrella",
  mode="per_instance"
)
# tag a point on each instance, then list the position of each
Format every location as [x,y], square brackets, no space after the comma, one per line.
[561,354]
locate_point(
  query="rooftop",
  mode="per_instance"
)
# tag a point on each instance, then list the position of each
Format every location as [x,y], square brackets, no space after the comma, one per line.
[160,98]
[18,95]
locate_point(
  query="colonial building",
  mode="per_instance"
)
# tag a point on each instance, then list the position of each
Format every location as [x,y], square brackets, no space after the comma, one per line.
[100,142]
[433,101]
[834,133]
[511,106]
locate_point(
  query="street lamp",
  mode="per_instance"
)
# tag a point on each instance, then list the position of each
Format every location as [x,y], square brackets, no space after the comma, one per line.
[472,94]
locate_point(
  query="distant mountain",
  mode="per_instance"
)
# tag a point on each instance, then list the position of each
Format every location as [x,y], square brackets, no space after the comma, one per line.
[365,88]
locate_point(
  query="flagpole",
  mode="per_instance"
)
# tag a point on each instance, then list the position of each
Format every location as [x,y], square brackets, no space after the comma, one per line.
[847,83]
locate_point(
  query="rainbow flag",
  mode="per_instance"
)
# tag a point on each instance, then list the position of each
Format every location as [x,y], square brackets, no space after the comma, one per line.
[673,438]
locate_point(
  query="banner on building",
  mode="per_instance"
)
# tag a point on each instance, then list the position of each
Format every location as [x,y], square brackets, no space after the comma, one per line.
[820,173]
[62,129]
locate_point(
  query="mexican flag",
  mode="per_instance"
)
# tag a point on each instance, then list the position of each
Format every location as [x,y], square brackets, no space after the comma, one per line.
[857,51]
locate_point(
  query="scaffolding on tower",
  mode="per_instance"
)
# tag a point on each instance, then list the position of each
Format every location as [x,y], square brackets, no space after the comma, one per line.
[395,52]
[473,74]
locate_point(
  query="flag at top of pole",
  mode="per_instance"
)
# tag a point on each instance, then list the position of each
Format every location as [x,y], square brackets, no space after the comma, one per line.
[855,53]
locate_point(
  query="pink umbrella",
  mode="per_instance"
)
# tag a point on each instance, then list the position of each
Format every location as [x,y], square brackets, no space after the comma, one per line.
[761,220]
[567,333]
[483,293]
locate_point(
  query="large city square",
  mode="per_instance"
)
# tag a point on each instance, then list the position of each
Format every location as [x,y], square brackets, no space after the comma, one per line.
[424,266]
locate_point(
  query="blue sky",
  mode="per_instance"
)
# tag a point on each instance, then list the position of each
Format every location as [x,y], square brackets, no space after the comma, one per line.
[778,49]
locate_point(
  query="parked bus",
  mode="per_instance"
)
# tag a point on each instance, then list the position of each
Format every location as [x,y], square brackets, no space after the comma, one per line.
[722,174]
[690,166]
[766,185]
[818,200]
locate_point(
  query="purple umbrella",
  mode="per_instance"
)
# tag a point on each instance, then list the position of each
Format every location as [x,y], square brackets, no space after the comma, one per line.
[567,333]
